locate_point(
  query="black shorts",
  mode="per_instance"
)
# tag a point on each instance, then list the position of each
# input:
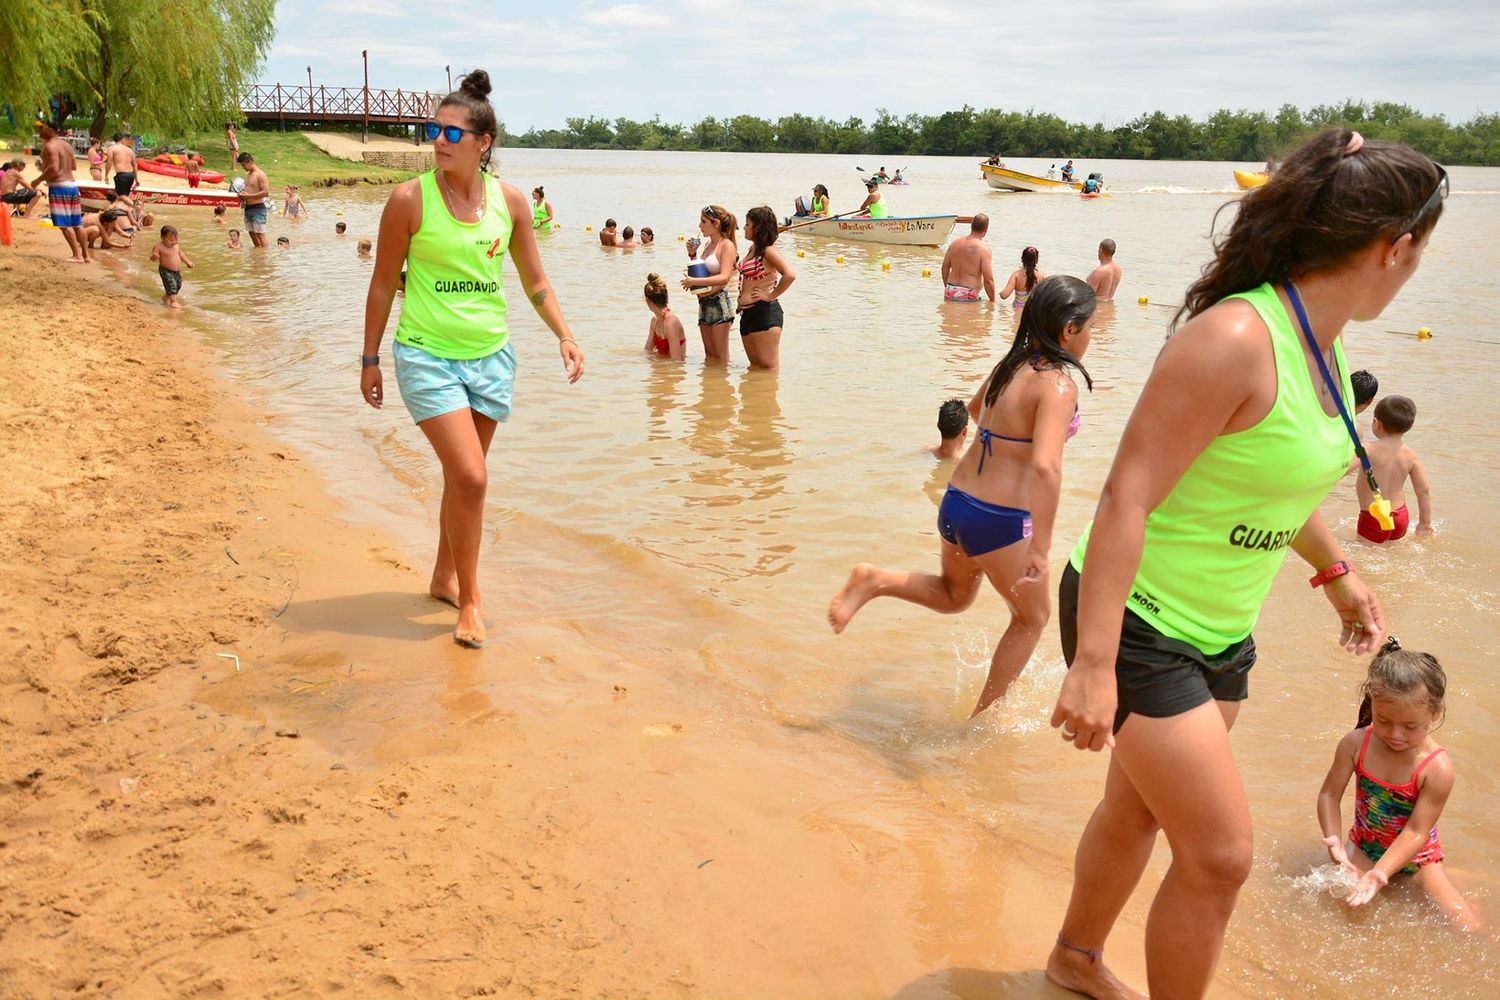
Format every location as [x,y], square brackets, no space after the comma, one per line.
[124,182]
[20,196]
[1157,676]
[760,316]
[171,281]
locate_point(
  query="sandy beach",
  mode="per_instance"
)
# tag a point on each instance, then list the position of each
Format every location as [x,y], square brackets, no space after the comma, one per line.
[178,823]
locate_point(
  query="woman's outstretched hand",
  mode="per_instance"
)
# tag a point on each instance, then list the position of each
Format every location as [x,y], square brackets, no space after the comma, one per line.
[1361,623]
[572,359]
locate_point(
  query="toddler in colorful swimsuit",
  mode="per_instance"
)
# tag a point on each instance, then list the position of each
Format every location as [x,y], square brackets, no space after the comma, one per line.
[1402,781]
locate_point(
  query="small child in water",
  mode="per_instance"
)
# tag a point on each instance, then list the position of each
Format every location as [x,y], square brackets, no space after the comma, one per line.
[170,260]
[234,240]
[665,335]
[364,248]
[284,242]
[1394,462]
[339,229]
[294,207]
[1366,388]
[1402,781]
[219,215]
[953,428]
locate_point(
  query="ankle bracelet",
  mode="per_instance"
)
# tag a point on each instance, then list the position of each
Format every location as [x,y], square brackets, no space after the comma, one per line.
[1094,954]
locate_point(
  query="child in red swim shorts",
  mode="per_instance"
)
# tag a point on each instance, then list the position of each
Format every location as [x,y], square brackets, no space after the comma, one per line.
[1394,462]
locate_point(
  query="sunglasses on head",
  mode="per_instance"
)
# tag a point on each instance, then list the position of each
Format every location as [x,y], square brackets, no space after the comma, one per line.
[711,212]
[1439,194]
[453,133]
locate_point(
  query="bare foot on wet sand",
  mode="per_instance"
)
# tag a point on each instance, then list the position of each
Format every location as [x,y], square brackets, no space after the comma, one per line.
[857,590]
[1082,974]
[445,590]
[470,629]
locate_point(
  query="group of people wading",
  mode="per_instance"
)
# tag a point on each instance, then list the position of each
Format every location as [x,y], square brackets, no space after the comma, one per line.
[1237,425]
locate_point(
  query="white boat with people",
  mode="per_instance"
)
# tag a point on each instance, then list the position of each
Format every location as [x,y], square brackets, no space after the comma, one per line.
[1005,179]
[910,230]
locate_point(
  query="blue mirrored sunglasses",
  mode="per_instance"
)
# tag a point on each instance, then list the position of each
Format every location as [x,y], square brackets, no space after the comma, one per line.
[452,133]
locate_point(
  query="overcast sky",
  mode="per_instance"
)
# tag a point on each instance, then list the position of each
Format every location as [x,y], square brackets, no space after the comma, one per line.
[1085,60]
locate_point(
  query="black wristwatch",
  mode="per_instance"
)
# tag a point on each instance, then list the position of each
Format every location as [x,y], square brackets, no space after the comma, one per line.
[369,360]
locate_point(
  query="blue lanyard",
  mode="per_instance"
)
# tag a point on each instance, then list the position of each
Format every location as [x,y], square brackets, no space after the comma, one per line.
[1333,387]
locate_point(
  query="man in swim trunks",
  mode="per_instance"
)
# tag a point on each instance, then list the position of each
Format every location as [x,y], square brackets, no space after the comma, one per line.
[968,265]
[257,189]
[120,159]
[608,236]
[62,192]
[1105,278]
[15,191]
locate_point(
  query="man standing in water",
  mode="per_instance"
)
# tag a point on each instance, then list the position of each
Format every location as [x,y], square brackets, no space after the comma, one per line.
[1105,278]
[253,196]
[63,201]
[968,265]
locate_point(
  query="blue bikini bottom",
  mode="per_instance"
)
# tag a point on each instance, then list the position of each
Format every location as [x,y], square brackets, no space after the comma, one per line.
[978,527]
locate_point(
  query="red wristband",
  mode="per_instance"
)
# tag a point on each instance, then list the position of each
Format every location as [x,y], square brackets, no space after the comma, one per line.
[1333,572]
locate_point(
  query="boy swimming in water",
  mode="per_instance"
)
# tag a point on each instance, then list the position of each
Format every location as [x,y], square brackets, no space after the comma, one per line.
[364,248]
[339,229]
[953,428]
[1394,462]
[1366,388]
[234,240]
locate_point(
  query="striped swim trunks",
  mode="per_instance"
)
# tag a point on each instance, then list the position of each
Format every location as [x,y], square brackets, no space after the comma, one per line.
[64,205]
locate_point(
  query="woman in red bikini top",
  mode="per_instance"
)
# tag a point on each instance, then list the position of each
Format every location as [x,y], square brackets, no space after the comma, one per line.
[666,335]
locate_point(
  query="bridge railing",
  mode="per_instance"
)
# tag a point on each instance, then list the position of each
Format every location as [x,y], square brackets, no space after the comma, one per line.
[274,99]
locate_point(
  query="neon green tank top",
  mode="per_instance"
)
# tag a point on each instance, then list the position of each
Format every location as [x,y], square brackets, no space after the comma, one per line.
[539,216]
[877,210]
[455,292]
[1214,545]
[820,205]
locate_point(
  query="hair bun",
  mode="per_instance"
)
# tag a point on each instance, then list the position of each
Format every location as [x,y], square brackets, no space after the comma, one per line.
[476,83]
[652,278]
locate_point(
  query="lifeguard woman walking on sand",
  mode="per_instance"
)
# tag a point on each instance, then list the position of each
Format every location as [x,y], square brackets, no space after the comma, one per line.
[1238,435]
[450,229]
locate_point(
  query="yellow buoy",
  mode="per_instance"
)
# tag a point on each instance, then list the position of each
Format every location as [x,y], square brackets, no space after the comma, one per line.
[680,238]
[801,253]
[590,229]
[1424,334]
[926,272]
[1143,300]
[885,265]
[338,213]
[838,260]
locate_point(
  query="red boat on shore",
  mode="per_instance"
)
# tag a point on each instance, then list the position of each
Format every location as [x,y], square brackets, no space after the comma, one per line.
[178,170]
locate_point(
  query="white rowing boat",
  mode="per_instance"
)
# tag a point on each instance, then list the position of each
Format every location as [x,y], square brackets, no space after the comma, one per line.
[94,194]
[913,230]
[1005,179]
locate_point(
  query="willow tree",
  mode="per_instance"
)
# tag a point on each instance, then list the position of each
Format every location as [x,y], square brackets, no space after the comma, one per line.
[44,42]
[169,65]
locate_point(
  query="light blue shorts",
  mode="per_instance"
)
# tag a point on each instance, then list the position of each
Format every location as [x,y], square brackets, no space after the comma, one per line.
[432,386]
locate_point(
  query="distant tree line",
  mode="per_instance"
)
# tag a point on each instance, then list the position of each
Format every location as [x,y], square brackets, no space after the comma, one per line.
[1224,135]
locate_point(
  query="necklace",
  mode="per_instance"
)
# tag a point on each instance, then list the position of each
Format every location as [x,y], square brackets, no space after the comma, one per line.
[452,198]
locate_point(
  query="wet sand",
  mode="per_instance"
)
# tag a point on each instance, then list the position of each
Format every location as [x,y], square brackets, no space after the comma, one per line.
[173,824]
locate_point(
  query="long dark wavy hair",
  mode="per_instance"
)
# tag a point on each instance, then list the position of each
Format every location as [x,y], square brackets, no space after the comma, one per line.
[760,223]
[1319,208]
[1056,302]
[1029,258]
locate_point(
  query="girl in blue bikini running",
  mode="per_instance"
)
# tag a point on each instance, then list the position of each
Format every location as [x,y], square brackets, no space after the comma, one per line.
[996,518]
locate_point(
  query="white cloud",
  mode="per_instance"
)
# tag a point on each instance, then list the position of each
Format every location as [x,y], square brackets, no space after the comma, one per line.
[627,15]
[365,8]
